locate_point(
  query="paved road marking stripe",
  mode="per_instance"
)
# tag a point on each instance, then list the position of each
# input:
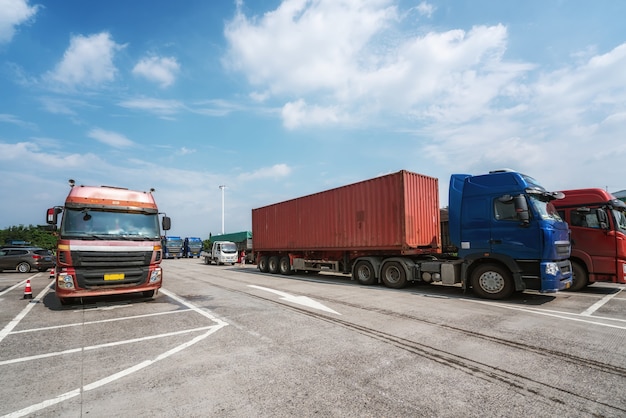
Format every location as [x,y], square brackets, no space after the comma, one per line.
[15,321]
[76,392]
[589,311]
[563,315]
[77,324]
[22,283]
[105,345]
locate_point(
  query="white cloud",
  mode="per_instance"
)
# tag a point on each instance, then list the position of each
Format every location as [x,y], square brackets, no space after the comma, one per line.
[88,62]
[112,139]
[157,106]
[298,114]
[425,9]
[12,14]
[161,70]
[275,171]
[344,54]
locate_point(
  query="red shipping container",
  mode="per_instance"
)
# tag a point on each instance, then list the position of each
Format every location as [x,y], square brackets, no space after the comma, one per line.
[395,212]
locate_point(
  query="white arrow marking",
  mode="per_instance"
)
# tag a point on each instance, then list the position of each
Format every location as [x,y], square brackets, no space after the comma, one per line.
[300,300]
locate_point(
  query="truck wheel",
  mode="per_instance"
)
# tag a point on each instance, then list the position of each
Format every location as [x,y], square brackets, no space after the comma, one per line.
[364,273]
[263,264]
[272,264]
[207,261]
[284,266]
[23,267]
[394,275]
[148,293]
[580,278]
[491,281]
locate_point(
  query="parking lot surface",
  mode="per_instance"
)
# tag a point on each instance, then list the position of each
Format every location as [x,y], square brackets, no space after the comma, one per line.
[230,341]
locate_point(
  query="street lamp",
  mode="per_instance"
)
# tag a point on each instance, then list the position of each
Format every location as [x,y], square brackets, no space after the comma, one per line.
[222,187]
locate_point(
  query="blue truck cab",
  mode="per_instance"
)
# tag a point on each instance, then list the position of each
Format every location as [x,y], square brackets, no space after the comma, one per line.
[508,234]
[172,247]
[192,247]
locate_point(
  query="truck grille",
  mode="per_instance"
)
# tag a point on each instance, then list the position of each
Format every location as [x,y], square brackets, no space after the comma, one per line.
[92,266]
[563,248]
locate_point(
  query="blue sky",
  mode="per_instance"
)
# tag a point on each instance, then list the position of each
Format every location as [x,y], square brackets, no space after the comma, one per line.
[278,99]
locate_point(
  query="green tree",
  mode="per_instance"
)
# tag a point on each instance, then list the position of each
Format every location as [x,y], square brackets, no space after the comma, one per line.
[34,235]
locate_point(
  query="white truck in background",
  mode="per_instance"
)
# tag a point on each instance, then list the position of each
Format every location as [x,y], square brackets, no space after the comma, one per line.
[222,252]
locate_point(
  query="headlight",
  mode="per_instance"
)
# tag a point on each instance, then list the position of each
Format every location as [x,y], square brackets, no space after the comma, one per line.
[552,269]
[65,281]
[155,276]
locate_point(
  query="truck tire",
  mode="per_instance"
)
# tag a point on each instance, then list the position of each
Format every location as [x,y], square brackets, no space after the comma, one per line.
[284,266]
[273,264]
[490,281]
[394,275]
[364,273]
[263,264]
[580,277]
[207,261]
[148,293]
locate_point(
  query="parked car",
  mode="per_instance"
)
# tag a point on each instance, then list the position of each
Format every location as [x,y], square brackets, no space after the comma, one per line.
[25,259]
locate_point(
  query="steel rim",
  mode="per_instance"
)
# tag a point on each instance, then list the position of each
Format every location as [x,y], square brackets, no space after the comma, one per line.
[491,282]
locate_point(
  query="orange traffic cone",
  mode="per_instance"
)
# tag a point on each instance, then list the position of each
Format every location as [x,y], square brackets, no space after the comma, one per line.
[28,292]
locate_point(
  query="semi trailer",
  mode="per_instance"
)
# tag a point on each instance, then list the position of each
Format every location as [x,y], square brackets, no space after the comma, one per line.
[504,233]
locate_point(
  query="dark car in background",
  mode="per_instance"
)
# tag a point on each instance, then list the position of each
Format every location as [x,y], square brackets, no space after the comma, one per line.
[25,259]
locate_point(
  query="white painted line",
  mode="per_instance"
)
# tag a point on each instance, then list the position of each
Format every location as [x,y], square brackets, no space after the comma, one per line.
[22,283]
[192,307]
[589,311]
[563,315]
[15,321]
[300,300]
[106,345]
[116,376]
[78,324]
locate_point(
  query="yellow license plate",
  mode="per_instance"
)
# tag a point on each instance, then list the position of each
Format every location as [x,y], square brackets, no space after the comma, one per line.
[114,276]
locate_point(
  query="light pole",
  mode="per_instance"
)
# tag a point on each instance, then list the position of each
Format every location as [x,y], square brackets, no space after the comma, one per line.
[222,187]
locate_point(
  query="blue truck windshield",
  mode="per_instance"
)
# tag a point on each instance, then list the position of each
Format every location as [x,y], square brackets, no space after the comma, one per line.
[98,224]
[544,208]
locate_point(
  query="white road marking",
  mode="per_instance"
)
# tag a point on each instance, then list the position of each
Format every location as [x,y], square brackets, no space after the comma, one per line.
[561,315]
[15,321]
[105,345]
[116,376]
[78,324]
[300,300]
[600,303]
[22,283]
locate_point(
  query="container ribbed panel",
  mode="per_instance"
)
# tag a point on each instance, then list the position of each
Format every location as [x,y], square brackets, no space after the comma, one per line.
[393,212]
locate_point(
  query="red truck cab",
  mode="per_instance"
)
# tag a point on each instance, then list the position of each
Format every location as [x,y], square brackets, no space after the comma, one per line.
[597,222]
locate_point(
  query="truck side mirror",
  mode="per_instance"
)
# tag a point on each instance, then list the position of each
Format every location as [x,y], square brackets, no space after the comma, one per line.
[602,219]
[52,215]
[166,223]
[521,208]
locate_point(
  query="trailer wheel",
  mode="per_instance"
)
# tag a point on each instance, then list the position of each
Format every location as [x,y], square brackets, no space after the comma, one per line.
[364,273]
[284,266]
[263,264]
[580,278]
[273,264]
[491,281]
[394,275]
